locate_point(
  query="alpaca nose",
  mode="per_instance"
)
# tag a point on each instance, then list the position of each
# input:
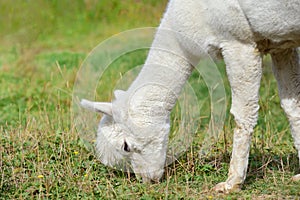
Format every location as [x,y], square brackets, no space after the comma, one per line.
[152,177]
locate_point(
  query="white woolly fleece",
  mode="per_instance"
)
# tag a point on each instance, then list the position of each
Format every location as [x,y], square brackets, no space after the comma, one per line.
[240,32]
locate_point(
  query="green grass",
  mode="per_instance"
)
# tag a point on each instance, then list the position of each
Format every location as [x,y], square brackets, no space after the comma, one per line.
[41,156]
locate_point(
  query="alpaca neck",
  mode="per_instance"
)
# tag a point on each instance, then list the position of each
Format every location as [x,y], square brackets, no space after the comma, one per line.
[159,84]
[154,92]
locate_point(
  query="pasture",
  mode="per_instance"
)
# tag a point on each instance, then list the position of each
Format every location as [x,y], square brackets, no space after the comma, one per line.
[42,46]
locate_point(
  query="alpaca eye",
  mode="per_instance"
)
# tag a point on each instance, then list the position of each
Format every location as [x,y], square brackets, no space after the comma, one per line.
[126,147]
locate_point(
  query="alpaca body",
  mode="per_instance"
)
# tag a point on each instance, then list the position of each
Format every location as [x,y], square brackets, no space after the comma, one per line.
[136,125]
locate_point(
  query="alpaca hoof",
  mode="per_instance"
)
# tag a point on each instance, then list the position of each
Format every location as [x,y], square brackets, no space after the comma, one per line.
[226,188]
[296,177]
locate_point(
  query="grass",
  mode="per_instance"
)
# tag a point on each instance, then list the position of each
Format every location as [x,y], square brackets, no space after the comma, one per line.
[41,154]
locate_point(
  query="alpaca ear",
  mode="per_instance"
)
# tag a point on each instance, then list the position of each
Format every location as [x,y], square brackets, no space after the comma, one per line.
[101,107]
[119,94]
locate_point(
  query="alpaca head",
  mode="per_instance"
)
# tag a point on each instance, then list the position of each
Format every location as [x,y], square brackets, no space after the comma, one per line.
[126,143]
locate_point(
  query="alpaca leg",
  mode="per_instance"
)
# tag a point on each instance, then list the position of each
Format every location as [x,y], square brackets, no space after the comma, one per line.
[286,68]
[243,63]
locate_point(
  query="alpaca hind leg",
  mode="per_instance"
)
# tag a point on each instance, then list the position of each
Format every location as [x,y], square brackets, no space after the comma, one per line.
[286,68]
[243,64]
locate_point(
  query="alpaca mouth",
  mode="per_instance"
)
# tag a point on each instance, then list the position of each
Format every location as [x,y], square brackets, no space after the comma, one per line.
[151,177]
[149,180]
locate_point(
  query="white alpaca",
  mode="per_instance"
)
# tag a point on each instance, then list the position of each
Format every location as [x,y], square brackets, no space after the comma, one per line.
[136,124]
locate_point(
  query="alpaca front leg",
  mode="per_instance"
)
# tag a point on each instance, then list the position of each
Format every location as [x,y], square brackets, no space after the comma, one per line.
[244,69]
[286,68]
